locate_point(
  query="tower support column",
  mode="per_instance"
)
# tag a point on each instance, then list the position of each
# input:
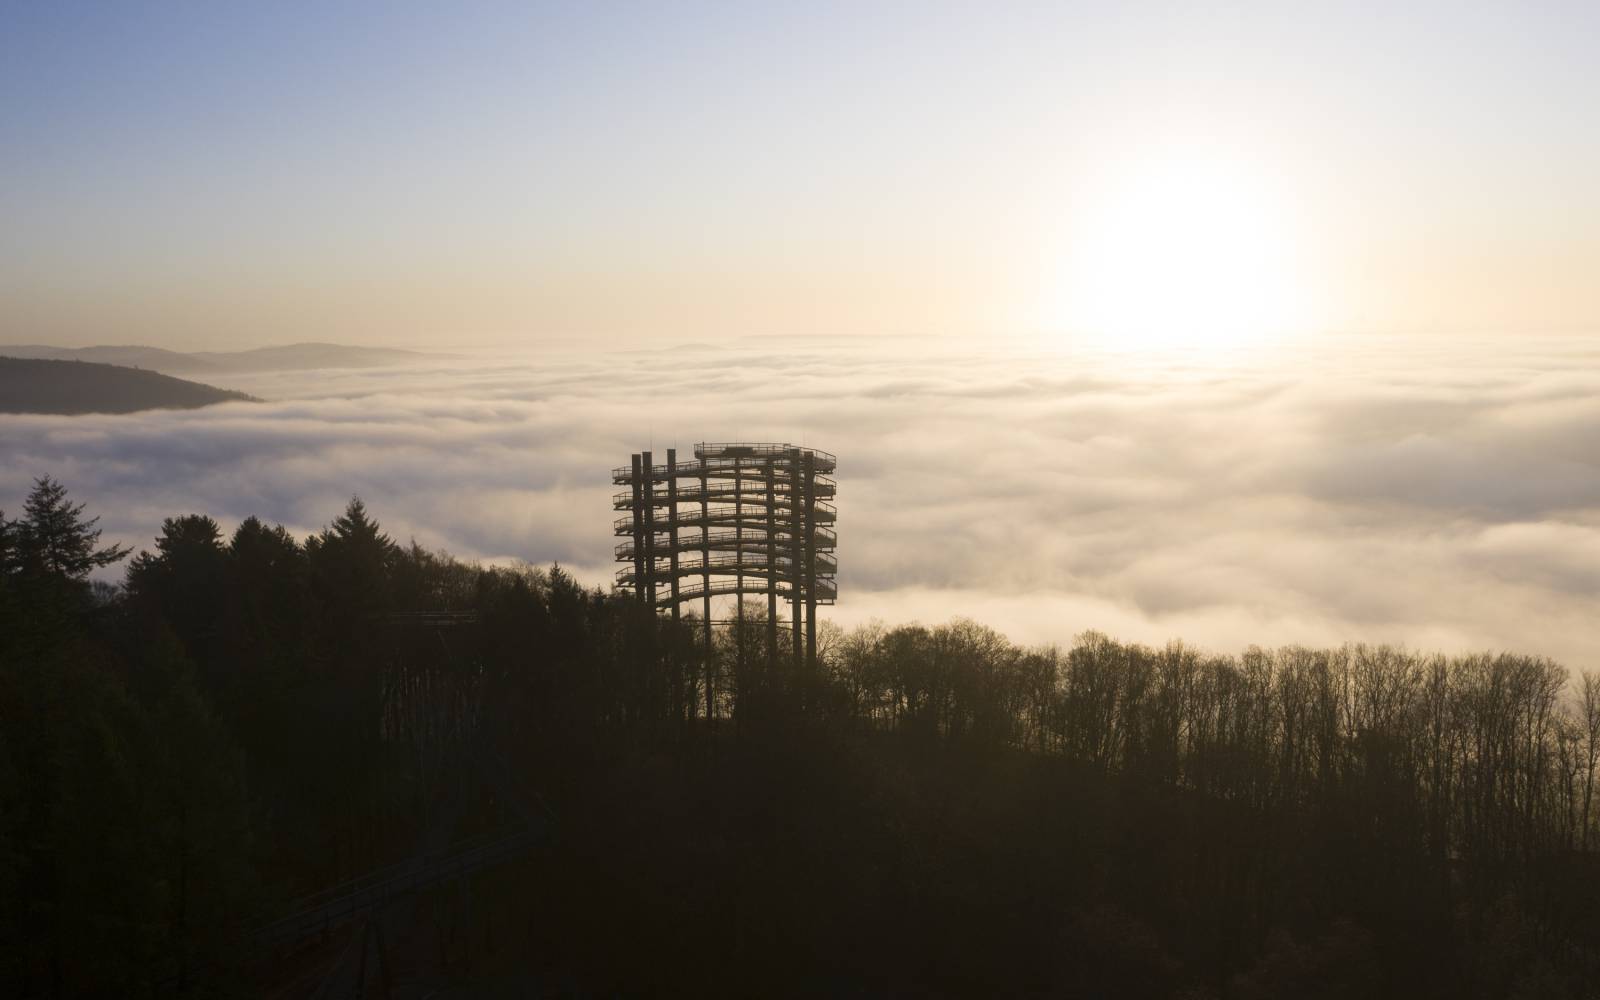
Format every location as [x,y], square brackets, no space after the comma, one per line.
[772,573]
[705,590]
[738,567]
[649,490]
[672,523]
[811,564]
[796,557]
[638,533]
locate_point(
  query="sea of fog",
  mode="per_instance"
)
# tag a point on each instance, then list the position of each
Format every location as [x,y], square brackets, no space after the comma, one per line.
[1440,492]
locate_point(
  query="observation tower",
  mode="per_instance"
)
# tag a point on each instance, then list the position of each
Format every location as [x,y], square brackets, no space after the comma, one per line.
[742,518]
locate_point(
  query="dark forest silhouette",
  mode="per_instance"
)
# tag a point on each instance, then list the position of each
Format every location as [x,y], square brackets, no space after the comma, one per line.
[38,386]
[250,718]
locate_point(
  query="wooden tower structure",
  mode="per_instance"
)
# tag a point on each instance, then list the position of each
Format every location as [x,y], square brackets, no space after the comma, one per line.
[741,518]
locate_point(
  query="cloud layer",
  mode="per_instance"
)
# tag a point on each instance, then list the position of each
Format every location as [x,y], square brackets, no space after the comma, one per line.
[1441,493]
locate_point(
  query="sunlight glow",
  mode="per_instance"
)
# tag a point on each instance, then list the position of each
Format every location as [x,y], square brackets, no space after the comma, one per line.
[1191,248]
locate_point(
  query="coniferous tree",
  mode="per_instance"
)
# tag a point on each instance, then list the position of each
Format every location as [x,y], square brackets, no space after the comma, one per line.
[351,565]
[46,557]
[54,540]
[266,640]
[184,585]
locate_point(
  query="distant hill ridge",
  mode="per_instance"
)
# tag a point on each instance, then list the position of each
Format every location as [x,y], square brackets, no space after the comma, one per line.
[290,357]
[43,385]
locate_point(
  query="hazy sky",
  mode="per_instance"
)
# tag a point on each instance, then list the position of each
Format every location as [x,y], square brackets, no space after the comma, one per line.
[217,175]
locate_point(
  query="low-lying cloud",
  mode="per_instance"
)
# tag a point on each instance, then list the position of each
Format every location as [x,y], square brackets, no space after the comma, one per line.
[1440,493]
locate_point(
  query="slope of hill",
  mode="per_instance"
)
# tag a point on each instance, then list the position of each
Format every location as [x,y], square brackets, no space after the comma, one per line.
[291,357]
[36,385]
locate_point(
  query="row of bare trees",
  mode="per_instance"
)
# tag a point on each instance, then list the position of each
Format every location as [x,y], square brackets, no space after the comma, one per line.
[1491,756]
[1487,757]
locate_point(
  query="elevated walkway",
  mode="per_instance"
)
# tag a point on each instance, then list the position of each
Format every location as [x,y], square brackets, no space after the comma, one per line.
[753,564]
[724,539]
[725,515]
[754,492]
[827,592]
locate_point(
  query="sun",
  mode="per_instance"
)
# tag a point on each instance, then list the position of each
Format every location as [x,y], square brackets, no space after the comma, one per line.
[1191,248]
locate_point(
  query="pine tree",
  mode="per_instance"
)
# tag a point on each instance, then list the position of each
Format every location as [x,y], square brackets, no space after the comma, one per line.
[184,584]
[267,586]
[352,562]
[54,539]
[46,558]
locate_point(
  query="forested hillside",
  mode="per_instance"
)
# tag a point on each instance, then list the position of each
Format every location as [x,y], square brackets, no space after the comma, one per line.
[39,386]
[250,717]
